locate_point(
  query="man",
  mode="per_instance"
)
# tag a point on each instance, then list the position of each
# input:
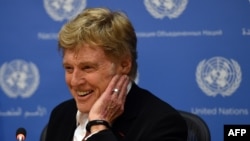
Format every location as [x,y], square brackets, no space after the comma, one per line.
[99,58]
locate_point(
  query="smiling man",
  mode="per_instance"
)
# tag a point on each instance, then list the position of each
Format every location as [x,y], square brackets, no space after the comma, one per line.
[99,58]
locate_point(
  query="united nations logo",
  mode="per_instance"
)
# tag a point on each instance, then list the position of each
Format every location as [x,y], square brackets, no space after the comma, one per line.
[60,10]
[19,78]
[162,8]
[218,76]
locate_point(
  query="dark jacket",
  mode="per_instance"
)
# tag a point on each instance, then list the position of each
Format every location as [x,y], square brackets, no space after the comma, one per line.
[145,118]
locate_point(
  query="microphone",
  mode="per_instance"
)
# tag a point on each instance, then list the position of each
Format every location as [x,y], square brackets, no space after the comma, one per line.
[20,134]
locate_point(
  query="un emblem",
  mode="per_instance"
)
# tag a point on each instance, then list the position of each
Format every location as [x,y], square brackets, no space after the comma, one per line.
[162,8]
[19,78]
[218,76]
[60,10]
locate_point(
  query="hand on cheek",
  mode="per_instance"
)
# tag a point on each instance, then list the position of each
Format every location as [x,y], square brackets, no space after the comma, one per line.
[110,105]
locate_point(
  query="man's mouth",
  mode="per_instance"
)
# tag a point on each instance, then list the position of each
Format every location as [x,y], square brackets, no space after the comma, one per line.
[84,93]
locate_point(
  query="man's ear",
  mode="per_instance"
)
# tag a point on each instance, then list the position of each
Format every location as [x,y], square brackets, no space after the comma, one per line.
[125,65]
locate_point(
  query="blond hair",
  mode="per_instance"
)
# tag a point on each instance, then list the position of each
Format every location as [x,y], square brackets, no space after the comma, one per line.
[112,31]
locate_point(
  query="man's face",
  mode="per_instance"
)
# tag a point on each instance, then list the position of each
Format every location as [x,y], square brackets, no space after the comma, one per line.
[88,72]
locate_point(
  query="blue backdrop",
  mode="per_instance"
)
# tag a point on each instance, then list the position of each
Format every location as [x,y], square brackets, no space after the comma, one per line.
[193,54]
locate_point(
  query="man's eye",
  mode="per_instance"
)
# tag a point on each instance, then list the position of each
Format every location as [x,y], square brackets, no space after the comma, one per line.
[68,69]
[87,68]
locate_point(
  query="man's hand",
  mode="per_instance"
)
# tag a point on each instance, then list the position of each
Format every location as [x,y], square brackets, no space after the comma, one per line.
[110,105]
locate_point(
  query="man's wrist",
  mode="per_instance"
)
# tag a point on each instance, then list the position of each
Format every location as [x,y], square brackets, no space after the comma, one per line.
[97,125]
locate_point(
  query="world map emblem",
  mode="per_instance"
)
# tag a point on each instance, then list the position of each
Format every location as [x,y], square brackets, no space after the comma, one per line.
[160,9]
[218,76]
[19,78]
[60,10]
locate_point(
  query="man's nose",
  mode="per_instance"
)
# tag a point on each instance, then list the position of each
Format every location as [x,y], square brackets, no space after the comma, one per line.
[77,78]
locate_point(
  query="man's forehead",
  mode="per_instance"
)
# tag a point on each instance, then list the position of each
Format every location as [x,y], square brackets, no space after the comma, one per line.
[85,54]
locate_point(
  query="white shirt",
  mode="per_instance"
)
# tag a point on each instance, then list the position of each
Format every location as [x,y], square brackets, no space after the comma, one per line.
[81,122]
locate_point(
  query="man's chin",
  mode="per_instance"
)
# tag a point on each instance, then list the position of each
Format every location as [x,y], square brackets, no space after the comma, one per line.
[83,108]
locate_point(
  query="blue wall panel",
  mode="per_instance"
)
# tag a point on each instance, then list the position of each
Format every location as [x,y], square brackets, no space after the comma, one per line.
[192,54]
